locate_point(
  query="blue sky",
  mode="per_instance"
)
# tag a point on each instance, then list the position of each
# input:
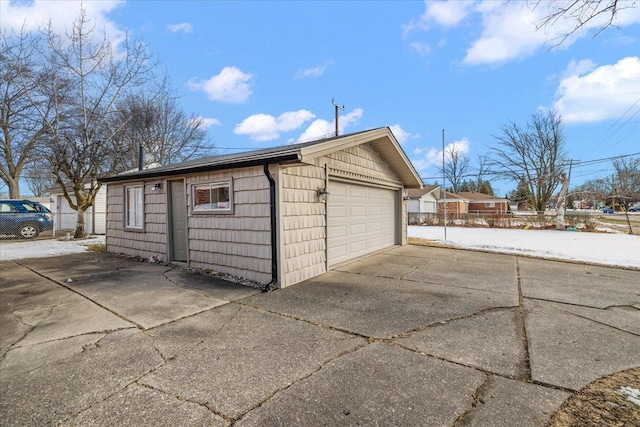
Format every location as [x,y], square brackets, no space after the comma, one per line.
[264,73]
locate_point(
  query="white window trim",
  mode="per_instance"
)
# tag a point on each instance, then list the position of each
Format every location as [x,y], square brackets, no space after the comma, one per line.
[490,205]
[138,217]
[211,185]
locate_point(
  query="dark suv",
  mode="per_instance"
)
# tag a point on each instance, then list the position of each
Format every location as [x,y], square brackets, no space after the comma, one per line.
[24,218]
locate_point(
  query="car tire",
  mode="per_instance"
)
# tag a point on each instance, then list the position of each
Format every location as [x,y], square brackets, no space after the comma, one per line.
[28,231]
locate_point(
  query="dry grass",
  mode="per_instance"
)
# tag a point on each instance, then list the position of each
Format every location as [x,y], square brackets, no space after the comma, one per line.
[96,247]
[601,404]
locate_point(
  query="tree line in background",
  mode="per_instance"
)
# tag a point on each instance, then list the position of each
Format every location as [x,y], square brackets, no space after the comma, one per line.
[74,107]
[533,156]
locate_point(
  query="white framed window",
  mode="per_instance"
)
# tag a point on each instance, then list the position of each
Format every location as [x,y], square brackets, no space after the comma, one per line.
[213,197]
[134,206]
[490,205]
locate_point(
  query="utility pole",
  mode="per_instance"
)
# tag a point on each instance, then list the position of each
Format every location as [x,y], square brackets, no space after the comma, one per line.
[337,107]
[444,182]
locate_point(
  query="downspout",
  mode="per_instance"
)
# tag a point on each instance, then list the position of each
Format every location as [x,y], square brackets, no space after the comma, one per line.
[274,241]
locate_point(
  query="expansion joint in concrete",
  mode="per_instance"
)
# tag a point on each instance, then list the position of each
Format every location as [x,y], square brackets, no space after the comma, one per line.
[301,319]
[303,378]
[522,325]
[118,315]
[477,398]
[451,319]
[203,405]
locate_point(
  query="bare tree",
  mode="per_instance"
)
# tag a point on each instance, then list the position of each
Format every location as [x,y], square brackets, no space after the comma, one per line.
[455,167]
[579,14]
[24,110]
[626,180]
[90,78]
[165,131]
[534,153]
[39,179]
[482,171]
[626,183]
[562,201]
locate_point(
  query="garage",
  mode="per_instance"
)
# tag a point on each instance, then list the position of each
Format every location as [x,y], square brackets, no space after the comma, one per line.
[361,219]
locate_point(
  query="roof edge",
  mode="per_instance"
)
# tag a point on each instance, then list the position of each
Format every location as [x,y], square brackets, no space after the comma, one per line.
[150,173]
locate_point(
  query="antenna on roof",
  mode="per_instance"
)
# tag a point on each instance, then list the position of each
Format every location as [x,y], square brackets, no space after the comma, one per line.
[338,107]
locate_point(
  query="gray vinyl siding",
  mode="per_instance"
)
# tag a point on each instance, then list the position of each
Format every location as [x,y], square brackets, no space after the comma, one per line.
[361,162]
[240,243]
[153,240]
[303,215]
[302,223]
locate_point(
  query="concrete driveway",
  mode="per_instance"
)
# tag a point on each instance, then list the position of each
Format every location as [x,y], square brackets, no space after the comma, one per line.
[412,336]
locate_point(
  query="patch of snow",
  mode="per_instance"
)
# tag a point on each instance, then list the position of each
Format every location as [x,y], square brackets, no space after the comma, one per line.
[12,250]
[632,393]
[618,250]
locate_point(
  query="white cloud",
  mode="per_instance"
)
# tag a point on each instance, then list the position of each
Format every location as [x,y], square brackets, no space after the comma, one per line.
[183,27]
[61,14]
[311,72]
[207,122]
[433,156]
[401,135]
[509,29]
[596,94]
[265,127]
[446,14]
[231,85]
[421,49]
[579,67]
[321,128]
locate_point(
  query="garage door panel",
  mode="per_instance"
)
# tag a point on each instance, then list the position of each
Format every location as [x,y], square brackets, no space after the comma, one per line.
[358,229]
[358,210]
[361,220]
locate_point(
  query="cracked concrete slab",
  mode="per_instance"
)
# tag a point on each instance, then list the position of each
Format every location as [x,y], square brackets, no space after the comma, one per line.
[180,337]
[577,284]
[471,271]
[23,359]
[384,265]
[210,286]
[569,351]
[294,353]
[375,385]
[375,306]
[57,391]
[626,318]
[491,341]
[503,402]
[35,310]
[140,406]
[146,296]
[255,355]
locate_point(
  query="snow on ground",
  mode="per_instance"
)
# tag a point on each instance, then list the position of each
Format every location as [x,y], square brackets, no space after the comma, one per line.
[621,250]
[10,250]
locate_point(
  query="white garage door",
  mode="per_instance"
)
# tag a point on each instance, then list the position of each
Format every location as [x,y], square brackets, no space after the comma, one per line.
[360,220]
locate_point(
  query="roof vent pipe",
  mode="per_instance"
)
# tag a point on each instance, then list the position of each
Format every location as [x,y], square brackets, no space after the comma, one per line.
[140,157]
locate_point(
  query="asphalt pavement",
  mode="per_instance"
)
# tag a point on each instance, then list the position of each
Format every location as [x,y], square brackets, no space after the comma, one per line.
[411,336]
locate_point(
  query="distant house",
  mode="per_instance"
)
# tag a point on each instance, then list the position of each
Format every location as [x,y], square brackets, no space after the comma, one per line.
[276,216]
[484,203]
[456,204]
[66,218]
[423,200]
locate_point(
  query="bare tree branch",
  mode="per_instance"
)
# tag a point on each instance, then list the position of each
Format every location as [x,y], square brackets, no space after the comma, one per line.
[534,153]
[579,14]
